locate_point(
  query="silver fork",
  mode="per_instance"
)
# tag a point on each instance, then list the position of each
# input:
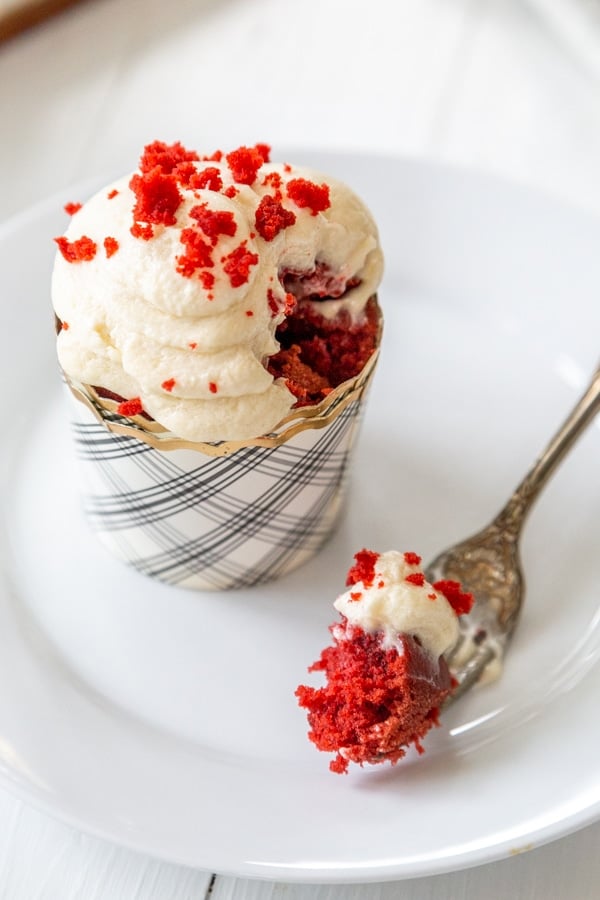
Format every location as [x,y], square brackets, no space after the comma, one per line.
[488,563]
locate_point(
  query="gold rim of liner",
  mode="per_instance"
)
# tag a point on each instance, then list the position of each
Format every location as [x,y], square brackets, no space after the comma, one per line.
[158,437]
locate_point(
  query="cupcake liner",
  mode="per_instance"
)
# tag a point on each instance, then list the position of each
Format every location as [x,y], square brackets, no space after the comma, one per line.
[221,515]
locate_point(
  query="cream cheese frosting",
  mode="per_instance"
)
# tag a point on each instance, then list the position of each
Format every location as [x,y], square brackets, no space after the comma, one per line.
[182,313]
[401,601]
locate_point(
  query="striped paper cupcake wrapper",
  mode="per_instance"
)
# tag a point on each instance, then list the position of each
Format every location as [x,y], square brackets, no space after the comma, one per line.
[222,515]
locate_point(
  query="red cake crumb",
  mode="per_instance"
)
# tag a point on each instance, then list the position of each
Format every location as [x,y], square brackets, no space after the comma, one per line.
[460,601]
[244,163]
[111,245]
[306,193]
[72,208]
[184,174]
[363,568]
[112,194]
[198,253]
[130,408]
[157,197]
[237,264]
[209,179]
[271,218]
[275,181]
[412,559]
[165,157]
[207,280]
[214,222]
[145,232]
[416,578]
[377,701]
[217,156]
[168,385]
[81,250]
[213,387]
[265,151]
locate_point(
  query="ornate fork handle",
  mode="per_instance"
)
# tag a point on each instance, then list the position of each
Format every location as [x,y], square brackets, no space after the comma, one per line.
[488,562]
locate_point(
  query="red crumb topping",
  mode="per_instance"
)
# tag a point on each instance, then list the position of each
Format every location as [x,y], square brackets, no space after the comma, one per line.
[112,194]
[264,150]
[111,245]
[306,193]
[460,601]
[249,312]
[432,596]
[184,173]
[168,385]
[274,180]
[217,156]
[236,264]
[192,345]
[165,157]
[416,578]
[271,218]
[244,163]
[131,407]
[208,179]
[231,191]
[363,568]
[207,279]
[214,222]
[198,253]
[64,325]
[157,197]
[212,387]
[81,250]
[72,208]
[356,595]
[376,701]
[145,232]
[287,167]
[412,559]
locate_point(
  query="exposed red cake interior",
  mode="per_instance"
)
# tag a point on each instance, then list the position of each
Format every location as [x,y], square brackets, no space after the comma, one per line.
[377,701]
[317,353]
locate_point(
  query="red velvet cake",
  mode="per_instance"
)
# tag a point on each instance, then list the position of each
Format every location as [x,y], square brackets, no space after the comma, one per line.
[386,677]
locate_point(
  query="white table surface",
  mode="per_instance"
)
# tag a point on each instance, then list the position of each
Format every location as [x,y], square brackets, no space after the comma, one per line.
[481,82]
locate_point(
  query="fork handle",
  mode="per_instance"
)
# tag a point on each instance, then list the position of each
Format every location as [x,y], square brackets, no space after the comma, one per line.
[514,512]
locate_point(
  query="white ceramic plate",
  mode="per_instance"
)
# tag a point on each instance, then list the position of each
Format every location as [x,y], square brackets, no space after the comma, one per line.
[166,721]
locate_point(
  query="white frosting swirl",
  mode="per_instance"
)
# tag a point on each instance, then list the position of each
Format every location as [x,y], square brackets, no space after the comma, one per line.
[394,606]
[134,323]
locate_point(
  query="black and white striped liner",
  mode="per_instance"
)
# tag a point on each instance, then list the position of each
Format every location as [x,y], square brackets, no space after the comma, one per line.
[214,522]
